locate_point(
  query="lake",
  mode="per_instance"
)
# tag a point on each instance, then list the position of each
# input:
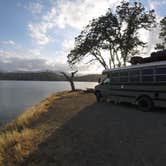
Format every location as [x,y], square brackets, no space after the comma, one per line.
[17,96]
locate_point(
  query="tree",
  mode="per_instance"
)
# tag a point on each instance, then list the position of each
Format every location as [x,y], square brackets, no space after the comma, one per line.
[70,79]
[116,32]
[133,18]
[92,40]
[162,35]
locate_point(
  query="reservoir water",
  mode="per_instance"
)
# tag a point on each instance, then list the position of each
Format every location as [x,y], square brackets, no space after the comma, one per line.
[17,96]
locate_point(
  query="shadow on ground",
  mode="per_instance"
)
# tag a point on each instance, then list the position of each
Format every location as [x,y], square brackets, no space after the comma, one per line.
[104,134]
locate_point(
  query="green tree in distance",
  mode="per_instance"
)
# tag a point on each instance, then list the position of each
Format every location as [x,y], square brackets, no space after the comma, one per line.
[116,32]
[162,35]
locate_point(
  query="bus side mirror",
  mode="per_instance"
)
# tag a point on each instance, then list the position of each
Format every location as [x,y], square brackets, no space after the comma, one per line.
[99,80]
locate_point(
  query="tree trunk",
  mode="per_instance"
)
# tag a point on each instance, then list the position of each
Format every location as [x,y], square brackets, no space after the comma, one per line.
[70,79]
[72,85]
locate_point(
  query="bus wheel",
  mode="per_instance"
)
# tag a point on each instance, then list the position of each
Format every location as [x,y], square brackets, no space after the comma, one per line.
[98,96]
[145,103]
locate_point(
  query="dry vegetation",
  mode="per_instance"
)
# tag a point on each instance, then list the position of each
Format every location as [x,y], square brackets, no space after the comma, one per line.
[21,137]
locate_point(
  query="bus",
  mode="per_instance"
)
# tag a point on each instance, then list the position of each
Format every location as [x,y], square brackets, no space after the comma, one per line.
[140,84]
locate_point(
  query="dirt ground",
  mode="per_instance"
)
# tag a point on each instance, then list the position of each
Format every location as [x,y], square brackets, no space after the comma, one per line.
[103,134]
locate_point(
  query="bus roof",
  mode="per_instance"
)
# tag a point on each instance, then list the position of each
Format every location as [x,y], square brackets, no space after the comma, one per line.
[151,64]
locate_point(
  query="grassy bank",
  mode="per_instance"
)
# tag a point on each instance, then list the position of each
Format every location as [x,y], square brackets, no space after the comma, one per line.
[22,136]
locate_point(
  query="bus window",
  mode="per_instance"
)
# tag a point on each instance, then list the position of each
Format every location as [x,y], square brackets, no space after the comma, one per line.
[161,70]
[135,76]
[147,75]
[161,74]
[124,76]
[115,77]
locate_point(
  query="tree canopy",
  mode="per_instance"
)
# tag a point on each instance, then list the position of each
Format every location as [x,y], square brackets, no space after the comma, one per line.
[116,32]
[162,35]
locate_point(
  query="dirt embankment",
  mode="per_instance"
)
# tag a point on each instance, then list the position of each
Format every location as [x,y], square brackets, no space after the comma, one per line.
[21,137]
[75,130]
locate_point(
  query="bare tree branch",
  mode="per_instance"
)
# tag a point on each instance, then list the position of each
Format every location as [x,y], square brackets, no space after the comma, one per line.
[70,79]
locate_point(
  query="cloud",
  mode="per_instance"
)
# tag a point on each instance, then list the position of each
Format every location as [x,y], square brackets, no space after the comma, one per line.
[153,4]
[19,64]
[33,7]
[64,14]
[12,61]
[152,36]
[83,67]
[8,42]
[35,51]
[39,33]
[78,13]
[68,45]
[74,15]
[33,60]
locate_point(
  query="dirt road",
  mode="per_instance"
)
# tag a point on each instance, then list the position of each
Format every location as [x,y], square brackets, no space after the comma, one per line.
[104,134]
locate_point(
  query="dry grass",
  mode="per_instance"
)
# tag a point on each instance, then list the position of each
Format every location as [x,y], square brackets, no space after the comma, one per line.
[31,115]
[14,146]
[21,137]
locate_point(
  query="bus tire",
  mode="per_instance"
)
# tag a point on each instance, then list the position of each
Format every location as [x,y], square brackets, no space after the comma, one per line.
[145,103]
[98,96]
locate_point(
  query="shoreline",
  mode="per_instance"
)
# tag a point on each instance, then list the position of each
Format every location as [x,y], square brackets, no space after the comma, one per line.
[21,137]
[17,96]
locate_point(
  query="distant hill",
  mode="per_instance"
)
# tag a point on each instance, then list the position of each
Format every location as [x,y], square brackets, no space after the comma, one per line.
[44,76]
[90,77]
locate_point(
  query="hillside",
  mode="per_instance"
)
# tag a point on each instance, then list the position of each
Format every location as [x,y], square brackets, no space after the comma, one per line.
[90,77]
[44,76]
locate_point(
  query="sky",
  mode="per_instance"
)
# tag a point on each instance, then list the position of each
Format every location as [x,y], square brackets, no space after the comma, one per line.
[39,34]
